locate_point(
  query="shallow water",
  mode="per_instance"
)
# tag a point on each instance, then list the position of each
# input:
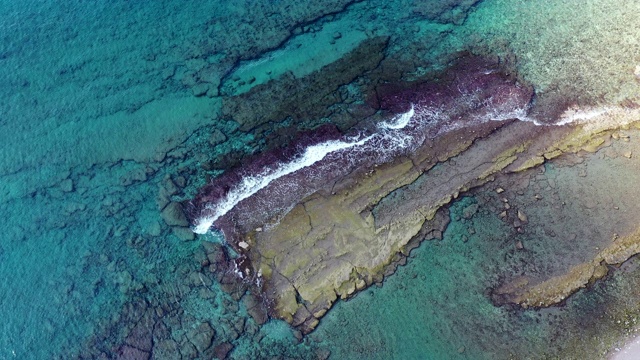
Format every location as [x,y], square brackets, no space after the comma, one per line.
[438,306]
[105,105]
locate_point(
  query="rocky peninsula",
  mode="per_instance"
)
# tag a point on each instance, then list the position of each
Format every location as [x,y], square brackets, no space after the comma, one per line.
[335,227]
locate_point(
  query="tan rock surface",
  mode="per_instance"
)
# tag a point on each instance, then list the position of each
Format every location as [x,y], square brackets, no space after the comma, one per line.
[334,243]
[557,289]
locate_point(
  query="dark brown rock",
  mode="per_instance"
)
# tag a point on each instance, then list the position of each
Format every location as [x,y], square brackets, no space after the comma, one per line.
[127,352]
[255,308]
[222,350]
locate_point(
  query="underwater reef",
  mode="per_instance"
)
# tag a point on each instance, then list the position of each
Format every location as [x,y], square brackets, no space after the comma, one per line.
[334,180]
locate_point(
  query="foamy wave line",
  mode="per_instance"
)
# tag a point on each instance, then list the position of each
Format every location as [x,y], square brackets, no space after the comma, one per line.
[391,137]
[586,115]
[252,184]
[593,117]
[400,121]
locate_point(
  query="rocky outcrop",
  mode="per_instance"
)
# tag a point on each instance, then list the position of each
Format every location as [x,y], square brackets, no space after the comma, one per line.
[557,289]
[336,226]
[331,235]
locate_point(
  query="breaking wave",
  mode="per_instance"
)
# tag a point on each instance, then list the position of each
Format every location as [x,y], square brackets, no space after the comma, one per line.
[400,134]
[389,137]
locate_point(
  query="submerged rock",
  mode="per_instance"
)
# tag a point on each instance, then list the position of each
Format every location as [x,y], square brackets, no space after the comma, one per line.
[222,350]
[183,233]
[173,215]
[131,353]
[201,336]
[469,211]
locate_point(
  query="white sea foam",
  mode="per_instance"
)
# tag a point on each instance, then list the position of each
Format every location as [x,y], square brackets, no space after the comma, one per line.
[400,121]
[390,138]
[630,351]
[252,184]
[388,141]
[582,115]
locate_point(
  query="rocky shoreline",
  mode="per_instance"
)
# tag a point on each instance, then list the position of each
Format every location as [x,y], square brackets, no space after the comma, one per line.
[338,240]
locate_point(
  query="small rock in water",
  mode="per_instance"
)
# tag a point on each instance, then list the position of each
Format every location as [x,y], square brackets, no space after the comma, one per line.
[183,233]
[180,181]
[169,187]
[469,211]
[129,352]
[200,89]
[162,200]
[202,336]
[217,137]
[522,216]
[154,229]
[255,309]
[519,245]
[499,190]
[165,349]
[67,185]
[323,354]
[222,350]
[213,91]
[188,350]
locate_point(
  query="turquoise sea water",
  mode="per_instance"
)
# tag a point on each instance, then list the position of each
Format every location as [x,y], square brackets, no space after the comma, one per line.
[107,109]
